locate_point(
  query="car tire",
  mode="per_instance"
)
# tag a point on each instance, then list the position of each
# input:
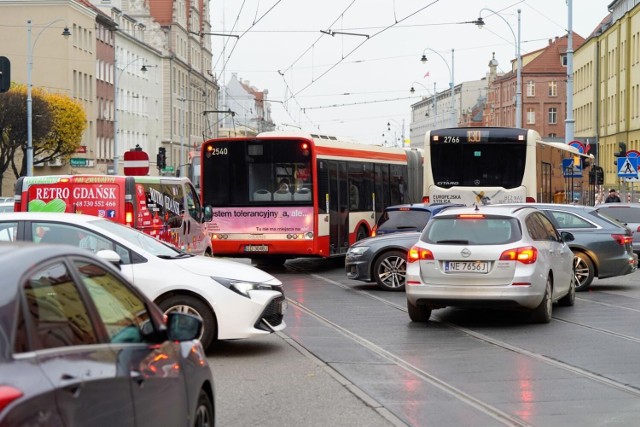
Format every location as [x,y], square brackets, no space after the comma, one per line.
[389,270]
[191,305]
[543,312]
[418,313]
[570,298]
[204,415]
[584,271]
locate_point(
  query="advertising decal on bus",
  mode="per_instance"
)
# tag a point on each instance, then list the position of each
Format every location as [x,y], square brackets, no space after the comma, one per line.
[262,220]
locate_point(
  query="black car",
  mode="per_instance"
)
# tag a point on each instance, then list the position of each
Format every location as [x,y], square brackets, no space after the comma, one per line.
[81,346]
[383,258]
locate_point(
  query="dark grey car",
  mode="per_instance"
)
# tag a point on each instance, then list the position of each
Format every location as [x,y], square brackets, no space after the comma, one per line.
[81,346]
[628,214]
[383,258]
[602,245]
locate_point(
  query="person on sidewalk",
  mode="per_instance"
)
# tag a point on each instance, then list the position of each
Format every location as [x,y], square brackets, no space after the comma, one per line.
[612,197]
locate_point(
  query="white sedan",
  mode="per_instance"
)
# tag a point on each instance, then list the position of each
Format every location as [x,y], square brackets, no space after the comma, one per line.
[233,299]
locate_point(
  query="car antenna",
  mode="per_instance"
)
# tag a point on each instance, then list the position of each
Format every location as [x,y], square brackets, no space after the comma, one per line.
[476,209]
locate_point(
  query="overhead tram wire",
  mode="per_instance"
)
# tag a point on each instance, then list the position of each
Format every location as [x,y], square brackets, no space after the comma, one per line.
[224,46]
[362,43]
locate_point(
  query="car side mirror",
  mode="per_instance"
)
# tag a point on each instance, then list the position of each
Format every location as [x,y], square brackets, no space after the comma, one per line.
[567,236]
[208,213]
[110,256]
[183,327]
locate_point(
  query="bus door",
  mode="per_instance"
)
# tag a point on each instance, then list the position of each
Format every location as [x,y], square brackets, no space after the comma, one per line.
[338,208]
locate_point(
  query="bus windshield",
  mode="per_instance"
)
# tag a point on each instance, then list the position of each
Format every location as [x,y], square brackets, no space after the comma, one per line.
[492,164]
[257,172]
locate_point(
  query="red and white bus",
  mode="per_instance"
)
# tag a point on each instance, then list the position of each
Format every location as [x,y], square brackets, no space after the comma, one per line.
[483,165]
[282,195]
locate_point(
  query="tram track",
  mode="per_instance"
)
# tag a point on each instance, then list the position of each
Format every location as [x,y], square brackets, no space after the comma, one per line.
[484,407]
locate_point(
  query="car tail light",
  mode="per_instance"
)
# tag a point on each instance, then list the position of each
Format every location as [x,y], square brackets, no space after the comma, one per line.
[128,214]
[374,232]
[425,199]
[419,254]
[526,255]
[471,216]
[622,239]
[7,395]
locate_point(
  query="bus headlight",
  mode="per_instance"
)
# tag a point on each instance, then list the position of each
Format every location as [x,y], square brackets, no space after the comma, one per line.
[242,287]
[309,235]
[219,236]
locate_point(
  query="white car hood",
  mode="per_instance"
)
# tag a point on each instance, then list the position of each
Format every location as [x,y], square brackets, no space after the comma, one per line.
[216,267]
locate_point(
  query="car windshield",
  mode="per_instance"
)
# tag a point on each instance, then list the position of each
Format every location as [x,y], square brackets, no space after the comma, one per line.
[404,219]
[137,238]
[477,231]
[607,217]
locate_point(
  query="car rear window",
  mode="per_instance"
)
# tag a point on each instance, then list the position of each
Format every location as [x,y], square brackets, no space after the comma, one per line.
[622,213]
[394,220]
[481,231]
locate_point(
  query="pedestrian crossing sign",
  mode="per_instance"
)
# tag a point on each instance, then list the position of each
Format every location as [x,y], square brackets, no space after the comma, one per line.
[628,167]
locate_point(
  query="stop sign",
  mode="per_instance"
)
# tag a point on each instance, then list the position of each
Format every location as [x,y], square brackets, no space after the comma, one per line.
[136,163]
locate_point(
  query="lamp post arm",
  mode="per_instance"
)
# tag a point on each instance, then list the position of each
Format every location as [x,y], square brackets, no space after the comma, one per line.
[516,41]
[30,47]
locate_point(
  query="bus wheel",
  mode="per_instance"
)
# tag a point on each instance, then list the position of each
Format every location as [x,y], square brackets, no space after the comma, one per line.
[190,305]
[208,253]
[361,234]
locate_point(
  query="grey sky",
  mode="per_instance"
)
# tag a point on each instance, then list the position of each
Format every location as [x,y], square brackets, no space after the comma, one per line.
[352,85]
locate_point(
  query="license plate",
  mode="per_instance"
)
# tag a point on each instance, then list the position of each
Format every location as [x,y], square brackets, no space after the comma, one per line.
[466,267]
[256,248]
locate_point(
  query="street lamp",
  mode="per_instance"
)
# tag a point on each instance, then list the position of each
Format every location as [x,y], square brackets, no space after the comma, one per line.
[115,107]
[480,23]
[451,84]
[30,46]
[401,129]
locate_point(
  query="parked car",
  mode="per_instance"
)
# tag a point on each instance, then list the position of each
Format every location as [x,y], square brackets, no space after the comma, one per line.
[602,245]
[383,258]
[80,345]
[234,300]
[628,214]
[494,256]
[407,217]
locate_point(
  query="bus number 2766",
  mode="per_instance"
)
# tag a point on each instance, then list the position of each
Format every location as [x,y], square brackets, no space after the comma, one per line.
[451,139]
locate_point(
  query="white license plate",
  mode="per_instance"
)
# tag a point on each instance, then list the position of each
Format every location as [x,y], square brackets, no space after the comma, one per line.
[256,248]
[466,267]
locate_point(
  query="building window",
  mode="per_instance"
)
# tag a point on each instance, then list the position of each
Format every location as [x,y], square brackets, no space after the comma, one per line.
[531,88]
[553,88]
[531,116]
[553,115]
[563,59]
[552,135]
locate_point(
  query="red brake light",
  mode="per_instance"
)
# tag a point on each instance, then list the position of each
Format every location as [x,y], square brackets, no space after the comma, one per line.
[128,214]
[425,199]
[7,395]
[622,239]
[419,254]
[530,200]
[471,216]
[526,255]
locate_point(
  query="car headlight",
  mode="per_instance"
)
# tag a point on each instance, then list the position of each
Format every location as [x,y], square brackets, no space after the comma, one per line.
[243,287]
[357,251]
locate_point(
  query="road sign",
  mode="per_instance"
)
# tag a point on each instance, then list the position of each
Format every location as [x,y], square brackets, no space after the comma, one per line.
[570,170]
[78,162]
[627,167]
[136,163]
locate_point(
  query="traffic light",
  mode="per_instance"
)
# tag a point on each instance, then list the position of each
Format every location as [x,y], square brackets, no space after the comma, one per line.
[161,158]
[599,175]
[623,150]
[5,74]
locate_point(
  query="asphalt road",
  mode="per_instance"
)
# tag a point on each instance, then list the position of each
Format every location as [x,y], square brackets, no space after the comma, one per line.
[350,357]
